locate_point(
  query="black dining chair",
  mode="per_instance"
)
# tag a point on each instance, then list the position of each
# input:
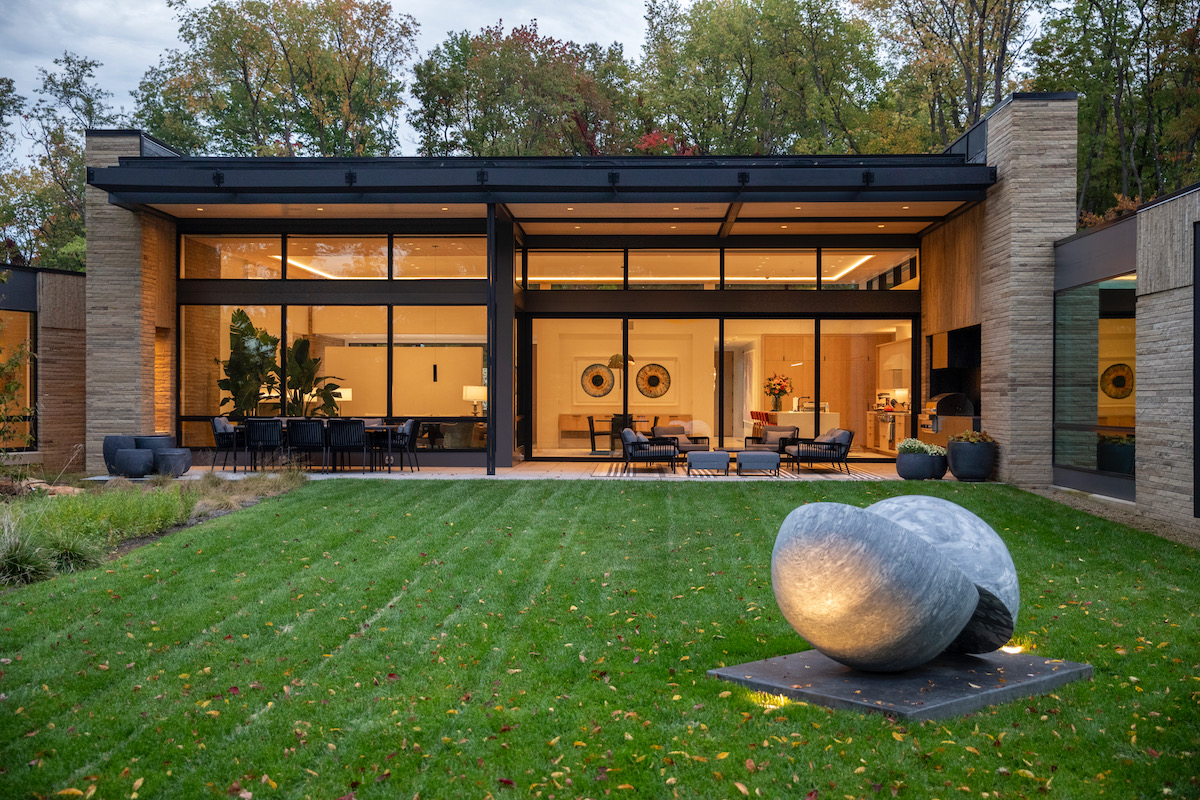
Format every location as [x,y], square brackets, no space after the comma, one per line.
[348,436]
[404,442]
[226,438]
[307,436]
[263,436]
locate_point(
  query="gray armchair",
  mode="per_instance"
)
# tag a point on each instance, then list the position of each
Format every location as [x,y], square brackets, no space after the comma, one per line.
[773,438]
[683,441]
[649,451]
[831,447]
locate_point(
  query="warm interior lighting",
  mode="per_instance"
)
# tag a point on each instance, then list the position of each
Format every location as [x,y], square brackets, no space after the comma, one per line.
[199,209]
[879,226]
[1125,278]
[798,364]
[904,207]
[445,208]
[850,268]
[320,209]
[475,395]
[294,263]
[783,226]
[616,362]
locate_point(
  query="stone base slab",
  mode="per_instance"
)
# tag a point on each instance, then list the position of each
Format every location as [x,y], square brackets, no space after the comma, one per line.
[948,686]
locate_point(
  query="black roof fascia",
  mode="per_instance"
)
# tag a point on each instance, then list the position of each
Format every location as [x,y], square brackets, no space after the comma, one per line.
[256,180]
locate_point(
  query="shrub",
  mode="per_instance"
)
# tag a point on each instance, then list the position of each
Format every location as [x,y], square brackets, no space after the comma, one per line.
[917,446]
[21,560]
[73,551]
[974,437]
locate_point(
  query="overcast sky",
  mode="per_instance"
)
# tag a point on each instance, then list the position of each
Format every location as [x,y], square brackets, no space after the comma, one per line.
[127,36]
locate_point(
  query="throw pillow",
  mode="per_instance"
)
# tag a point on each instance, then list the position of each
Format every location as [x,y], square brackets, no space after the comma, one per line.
[223,425]
[772,437]
[825,438]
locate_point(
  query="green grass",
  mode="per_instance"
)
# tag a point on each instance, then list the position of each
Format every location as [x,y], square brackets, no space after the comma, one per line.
[476,638]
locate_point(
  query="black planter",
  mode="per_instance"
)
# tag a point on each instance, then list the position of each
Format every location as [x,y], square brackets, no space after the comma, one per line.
[156,441]
[920,466]
[970,461]
[1115,458]
[173,461]
[111,445]
[134,462]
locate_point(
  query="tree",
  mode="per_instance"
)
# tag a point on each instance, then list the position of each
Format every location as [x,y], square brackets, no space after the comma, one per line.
[498,93]
[964,53]
[1136,67]
[42,203]
[281,77]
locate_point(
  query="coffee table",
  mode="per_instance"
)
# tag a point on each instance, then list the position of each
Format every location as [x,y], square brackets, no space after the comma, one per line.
[707,459]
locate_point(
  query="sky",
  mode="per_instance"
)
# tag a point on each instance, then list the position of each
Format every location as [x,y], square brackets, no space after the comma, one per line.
[127,36]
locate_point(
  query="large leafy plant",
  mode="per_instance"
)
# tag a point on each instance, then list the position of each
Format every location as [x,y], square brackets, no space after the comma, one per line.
[251,370]
[308,392]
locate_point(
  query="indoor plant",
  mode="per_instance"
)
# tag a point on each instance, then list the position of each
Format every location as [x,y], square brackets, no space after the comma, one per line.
[917,460]
[776,387]
[307,391]
[971,455]
[250,369]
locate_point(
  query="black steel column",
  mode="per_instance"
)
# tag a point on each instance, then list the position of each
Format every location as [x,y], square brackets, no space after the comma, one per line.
[491,338]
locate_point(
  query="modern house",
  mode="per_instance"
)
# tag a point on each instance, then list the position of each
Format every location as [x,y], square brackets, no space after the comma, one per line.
[517,305]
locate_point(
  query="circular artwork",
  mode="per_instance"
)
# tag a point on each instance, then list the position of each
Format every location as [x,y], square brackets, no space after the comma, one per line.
[597,380]
[1117,381]
[653,380]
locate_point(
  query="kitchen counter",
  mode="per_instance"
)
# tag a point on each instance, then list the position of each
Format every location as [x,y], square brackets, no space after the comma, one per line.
[880,424]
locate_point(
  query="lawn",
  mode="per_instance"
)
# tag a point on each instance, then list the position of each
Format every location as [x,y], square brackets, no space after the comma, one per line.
[376,639]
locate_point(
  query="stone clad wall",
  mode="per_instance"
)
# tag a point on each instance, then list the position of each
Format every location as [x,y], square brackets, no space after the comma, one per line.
[1032,143]
[130,282]
[1166,341]
[61,359]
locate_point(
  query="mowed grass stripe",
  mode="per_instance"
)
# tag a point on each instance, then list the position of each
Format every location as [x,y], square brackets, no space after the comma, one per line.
[688,587]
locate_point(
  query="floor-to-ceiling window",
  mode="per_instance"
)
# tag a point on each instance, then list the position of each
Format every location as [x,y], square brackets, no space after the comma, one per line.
[866,381]
[755,352]
[1095,385]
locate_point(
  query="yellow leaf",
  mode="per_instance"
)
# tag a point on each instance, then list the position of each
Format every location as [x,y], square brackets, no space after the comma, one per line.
[91,790]
[1024,773]
[724,694]
[741,787]
[625,786]
[71,792]
[899,737]
[138,783]
[860,770]
[972,750]
[451,711]
[721,756]
[553,741]
[580,744]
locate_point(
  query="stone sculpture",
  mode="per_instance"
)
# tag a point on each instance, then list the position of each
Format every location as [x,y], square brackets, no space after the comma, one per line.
[891,586]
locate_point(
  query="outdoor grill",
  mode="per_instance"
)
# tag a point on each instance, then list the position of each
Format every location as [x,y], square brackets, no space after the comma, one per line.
[938,407]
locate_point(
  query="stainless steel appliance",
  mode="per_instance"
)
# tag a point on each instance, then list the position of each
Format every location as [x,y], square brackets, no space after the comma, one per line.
[945,415]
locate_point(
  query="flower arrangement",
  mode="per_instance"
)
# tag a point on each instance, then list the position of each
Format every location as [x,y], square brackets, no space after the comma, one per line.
[923,448]
[974,437]
[777,386]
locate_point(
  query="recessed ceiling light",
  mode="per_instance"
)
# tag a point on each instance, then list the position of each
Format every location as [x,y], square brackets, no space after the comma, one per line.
[796,208]
[783,226]
[199,209]
[880,226]
[576,227]
[570,208]
[904,207]
[673,227]
[674,208]
[445,208]
[320,209]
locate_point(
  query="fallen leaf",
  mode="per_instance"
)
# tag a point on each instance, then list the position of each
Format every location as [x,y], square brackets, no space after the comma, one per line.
[741,787]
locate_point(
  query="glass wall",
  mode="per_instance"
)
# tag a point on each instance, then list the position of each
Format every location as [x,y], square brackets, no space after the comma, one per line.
[579,377]
[337,257]
[417,257]
[344,346]
[231,257]
[1095,376]
[674,269]
[16,328]
[866,381]
[576,269]
[869,269]
[672,374]
[227,352]
[771,269]
[759,350]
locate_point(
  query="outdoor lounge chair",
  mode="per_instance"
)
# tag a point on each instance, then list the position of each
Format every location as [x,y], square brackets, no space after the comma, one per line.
[831,447]
[647,451]
[773,437]
[685,443]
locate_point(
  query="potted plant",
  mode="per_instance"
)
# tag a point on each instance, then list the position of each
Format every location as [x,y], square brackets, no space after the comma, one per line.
[1114,453]
[776,388]
[919,461]
[250,371]
[971,455]
[306,390]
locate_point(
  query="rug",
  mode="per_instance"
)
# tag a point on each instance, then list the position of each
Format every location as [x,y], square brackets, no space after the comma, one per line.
[659,473]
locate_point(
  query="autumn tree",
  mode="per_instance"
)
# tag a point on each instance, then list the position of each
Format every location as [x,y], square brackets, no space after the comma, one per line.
[516,93]
[962,54]
[281,77]
[1136,66]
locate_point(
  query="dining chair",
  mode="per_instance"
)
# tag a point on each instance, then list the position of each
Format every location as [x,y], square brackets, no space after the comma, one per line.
[348,436]
[263,435]
[307,436]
